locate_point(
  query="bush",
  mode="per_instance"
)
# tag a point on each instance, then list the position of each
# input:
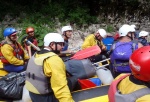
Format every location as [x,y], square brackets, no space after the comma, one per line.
[110,28]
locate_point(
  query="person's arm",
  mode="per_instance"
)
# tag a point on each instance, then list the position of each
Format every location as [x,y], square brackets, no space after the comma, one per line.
[26,57]
[7,52]
[57,74]
[28,47]
[88,42]
[103,46]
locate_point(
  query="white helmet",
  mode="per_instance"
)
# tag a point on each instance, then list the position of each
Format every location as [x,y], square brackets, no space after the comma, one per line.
[124,30]
[52,37]
[66,28]
[132,29]
[133,26]
[102,32]
[143,33]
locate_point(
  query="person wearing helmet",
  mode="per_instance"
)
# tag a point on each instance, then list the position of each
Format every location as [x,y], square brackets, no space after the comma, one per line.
[136,31]
[134,87]
[143,38]
[12,53]
[95,39]
[122,49]
[30,37]
[133,35]
[46,79]
[67,33]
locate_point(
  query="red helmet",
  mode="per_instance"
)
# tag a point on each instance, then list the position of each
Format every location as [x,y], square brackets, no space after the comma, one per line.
[29,29]
[140,63]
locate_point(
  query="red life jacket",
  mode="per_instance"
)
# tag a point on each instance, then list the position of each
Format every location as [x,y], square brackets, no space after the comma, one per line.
[113,88]
[18,52]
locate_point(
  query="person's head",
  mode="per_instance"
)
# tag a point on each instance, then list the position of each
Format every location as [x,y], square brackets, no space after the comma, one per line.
[133,30]
[10,33]
[54,42]
[100,34]
[67,31]
[140,66]
[30,31]
[143,34]
[127,30]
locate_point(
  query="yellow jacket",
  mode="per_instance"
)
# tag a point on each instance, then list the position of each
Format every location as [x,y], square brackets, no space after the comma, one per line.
[126,87]
[54,67]
[7,52]
[90,41]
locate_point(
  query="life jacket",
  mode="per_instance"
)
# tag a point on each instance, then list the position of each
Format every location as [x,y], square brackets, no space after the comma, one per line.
[18,52]
[143,41]
[65,46]
[115,95]
[121,52]
[137,34]
[32,40]
[36,81]
[108,41]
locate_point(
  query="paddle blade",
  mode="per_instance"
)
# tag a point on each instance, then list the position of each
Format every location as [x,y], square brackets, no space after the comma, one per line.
[88,52]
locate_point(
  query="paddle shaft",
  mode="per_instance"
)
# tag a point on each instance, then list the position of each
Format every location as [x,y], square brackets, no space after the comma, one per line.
[37,48]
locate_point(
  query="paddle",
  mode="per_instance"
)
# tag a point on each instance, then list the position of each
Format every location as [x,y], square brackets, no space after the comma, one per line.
[37,48]
[88,52]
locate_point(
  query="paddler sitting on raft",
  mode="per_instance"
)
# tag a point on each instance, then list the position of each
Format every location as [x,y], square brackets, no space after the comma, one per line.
[12,54]
[96,39]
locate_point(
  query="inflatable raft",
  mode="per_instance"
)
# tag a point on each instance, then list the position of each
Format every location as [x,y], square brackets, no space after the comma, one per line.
[95,94]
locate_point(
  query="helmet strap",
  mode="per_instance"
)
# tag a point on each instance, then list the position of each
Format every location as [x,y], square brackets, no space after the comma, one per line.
[55,51]
[131,37]
[66,35]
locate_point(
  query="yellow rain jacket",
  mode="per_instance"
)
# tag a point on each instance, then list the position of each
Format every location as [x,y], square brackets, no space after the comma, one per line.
[7,52]
[91,41]
[126,87]
[54,68]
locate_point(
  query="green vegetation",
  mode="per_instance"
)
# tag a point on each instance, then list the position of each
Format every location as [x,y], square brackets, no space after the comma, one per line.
[43,16]
[109,28]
